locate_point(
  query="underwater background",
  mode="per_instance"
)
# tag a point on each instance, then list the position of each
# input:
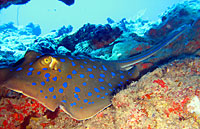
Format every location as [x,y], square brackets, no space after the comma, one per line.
[165,95]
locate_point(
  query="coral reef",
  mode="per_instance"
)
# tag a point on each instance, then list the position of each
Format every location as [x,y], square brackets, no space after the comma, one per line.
[15,41]
[97,36]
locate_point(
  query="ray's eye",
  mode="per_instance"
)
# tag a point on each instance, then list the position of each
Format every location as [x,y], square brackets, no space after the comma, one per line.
[46,60]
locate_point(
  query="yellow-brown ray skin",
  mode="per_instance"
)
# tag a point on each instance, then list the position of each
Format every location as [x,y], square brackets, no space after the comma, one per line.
[21,82]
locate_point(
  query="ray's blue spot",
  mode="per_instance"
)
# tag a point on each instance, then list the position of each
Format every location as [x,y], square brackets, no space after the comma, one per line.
[103,97]
[11,69]
[44,68]
[122,76]
[82,66]
[33,83]
[91,76]
[113,74]
[69,76]
[45,97]
[51,89]
[77,89]
[97,90]
[106,93]
[92,60]
[85,100]
[89,69]
[31,63]
[89,102]
[47,79]
[54,97]
[98,96]
[121,71]
[71,104]
[74,72]
[65,84]
[101,80]
[119,84]
[70,58]
[73,64]
[61,90]
[78,58]
[37,56]
[94,66]
[102,87]
[29,73]
[59,70]
[92,102]
[41,91]
[42,83]
[81,107]
[55,78]
[102,75]
[110,84]
[75,95]
[85,62]
[84,83]
[82,76]
[38,73]
[104,68]
[19,69]
[62,60]
[74,103]
[64,101]
[89,94]
[47,75]
[31,69]
[110,90]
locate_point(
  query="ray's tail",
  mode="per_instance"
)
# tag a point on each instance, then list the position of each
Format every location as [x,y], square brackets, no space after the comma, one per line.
[128,63]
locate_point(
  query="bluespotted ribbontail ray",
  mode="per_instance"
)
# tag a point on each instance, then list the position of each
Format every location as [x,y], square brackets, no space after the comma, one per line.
[82,87]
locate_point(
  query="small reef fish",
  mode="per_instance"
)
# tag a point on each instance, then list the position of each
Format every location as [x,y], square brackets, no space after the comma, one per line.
[81,87]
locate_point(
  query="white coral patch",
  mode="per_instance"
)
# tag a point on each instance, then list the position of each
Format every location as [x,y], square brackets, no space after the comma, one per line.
[194,105]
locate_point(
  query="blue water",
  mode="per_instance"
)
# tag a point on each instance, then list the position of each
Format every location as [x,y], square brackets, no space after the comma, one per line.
[53,14]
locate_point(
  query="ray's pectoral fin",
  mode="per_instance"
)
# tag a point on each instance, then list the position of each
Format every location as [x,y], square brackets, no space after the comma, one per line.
[4,75]
[31,56]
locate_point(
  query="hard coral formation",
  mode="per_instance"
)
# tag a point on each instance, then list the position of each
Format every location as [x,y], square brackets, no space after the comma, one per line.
[64,30]
[15,41]
[98,36]
[177,16]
